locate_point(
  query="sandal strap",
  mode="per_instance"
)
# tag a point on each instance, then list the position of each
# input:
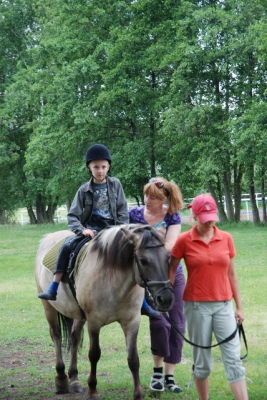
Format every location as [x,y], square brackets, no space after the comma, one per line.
[157,380]
[171,385]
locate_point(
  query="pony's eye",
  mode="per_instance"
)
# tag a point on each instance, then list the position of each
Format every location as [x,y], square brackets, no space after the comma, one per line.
[144,261]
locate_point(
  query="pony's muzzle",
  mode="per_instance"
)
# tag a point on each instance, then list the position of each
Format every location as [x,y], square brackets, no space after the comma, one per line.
[164,299]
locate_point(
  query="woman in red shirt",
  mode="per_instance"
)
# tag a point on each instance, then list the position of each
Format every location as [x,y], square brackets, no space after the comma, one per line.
[211,285]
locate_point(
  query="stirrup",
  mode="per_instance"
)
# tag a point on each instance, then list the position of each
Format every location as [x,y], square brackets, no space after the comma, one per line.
[157,382]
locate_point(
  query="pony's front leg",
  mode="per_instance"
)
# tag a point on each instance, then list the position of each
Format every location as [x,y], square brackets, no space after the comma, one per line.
[76,335]
[94,356]
[61,379]
[131,332]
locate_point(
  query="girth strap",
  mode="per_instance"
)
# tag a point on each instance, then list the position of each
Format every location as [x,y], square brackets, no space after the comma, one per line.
[74,254]
[71,265]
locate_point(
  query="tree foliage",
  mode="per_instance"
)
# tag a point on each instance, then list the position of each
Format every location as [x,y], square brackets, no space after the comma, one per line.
[173,88]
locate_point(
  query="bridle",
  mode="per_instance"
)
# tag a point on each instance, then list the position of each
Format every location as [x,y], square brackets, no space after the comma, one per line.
[147,284]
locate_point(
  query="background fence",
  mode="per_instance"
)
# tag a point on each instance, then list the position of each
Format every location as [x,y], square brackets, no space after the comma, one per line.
[246,213]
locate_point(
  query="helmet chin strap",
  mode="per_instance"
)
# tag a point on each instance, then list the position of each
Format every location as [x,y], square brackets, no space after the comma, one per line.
[98,179]
[90,172]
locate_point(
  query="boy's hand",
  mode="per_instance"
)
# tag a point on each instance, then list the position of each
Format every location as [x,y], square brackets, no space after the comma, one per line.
[89,232]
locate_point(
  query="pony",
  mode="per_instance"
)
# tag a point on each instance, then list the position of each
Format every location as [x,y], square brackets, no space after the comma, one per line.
[109,281]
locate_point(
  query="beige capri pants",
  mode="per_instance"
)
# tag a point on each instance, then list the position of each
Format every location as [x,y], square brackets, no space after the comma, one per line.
[203,318]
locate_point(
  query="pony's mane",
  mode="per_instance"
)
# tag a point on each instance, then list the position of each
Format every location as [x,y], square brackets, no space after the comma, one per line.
[115,246]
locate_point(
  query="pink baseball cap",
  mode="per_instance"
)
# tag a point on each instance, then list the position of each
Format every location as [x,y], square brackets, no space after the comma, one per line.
[205,208]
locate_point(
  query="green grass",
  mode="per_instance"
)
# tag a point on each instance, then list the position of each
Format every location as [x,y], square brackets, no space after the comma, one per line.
[27,359]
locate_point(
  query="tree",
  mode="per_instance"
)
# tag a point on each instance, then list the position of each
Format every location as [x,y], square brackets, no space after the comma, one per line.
[17,26]
[171,93]
[207,91]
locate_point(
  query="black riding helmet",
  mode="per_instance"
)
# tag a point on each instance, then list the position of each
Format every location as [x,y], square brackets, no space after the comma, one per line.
[97,152]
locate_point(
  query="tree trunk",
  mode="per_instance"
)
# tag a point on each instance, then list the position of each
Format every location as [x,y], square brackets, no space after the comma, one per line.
[238,174]
[51,208]
[152,132]
[264,215]
[31,215]
[228,196]
[254,207]
[3,218]
[219,202]
[137,200]
[68,204]
[40,210]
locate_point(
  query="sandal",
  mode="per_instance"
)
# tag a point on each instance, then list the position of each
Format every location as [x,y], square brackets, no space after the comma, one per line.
[171,385]
[157,382]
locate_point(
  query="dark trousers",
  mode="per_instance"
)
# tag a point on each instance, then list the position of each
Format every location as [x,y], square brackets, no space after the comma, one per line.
[66,249]
[165,341]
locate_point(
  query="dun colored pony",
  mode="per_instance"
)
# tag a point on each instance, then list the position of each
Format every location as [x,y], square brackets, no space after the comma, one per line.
[109,282]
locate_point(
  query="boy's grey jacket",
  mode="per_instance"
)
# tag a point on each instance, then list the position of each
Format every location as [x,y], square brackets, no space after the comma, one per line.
[82,206]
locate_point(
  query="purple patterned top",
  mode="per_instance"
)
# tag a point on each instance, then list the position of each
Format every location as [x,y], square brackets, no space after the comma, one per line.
[136,215]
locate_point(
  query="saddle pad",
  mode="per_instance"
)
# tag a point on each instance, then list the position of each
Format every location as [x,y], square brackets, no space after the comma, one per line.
[50,259]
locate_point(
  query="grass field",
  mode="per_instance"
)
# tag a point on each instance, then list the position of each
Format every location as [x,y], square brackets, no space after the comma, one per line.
[27,360]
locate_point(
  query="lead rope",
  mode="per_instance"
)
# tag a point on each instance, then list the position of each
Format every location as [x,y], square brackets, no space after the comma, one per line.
[239,328]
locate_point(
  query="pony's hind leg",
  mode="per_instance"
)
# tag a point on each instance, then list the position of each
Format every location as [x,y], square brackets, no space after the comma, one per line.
[76,339]
[61,379]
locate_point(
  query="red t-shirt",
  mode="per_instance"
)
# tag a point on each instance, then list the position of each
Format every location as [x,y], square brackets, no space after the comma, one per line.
[207,265]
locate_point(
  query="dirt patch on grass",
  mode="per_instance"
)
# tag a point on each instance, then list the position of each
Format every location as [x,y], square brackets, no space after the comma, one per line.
[25,373]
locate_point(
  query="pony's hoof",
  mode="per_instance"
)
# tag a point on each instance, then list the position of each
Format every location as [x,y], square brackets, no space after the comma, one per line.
[76,387]
[93,396]
[62,387]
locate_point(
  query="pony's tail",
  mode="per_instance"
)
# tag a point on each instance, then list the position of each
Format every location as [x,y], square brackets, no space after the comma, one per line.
[65,324]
